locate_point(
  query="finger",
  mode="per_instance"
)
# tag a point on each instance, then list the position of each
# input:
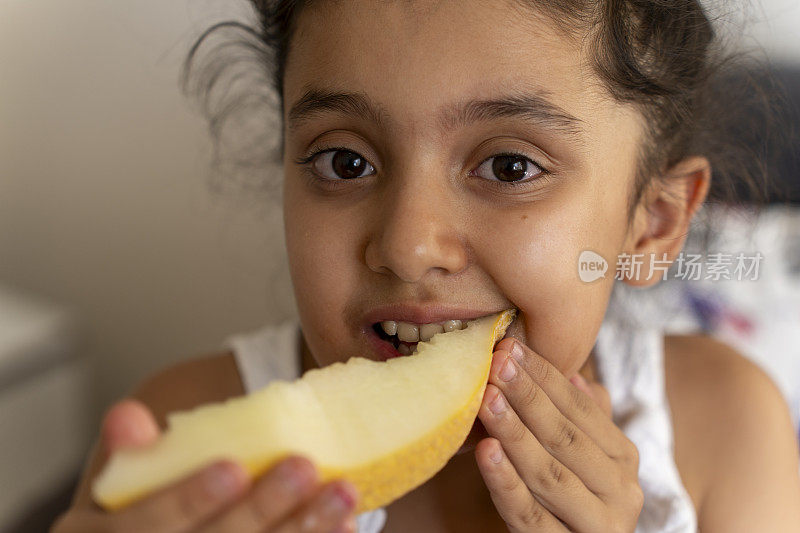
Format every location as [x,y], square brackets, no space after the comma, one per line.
[188,503]
[595,391]
[329,509]
[76,519]
[276,494]
[581,383]
[350,526]
[514,502]
[127,423]
[554,485]
[559,436]
[568,399]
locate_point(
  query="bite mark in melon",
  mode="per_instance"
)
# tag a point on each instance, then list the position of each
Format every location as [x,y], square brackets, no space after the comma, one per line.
[385,426]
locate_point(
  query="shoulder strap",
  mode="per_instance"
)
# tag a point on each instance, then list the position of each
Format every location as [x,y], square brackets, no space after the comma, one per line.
[272,352]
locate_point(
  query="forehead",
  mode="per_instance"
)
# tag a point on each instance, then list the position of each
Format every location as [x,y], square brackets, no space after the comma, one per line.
[415,59]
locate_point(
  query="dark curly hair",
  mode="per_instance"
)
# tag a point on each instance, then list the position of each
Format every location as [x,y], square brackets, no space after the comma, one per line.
[662,56]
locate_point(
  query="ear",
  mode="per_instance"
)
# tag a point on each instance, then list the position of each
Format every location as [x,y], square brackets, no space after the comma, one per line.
[661,220]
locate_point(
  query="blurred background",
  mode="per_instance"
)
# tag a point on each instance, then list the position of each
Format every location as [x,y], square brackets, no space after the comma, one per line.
[117,255]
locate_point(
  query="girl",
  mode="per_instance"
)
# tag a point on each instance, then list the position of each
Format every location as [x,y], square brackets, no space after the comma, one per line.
[448,160]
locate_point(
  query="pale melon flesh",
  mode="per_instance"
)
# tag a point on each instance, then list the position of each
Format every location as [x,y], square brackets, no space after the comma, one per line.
[385,426]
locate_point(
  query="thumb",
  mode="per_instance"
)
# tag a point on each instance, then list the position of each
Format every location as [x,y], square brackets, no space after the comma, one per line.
[128,423]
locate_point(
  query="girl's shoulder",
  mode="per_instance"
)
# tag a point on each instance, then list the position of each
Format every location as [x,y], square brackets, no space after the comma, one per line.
[735,446]
[189,383]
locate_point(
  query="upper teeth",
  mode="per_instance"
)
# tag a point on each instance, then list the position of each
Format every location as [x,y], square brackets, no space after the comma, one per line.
[409,332]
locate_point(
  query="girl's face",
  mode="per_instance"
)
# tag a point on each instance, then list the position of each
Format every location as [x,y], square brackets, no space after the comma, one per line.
[478,157]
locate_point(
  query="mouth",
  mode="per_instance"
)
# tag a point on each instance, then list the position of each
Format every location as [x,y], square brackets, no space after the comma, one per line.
[389,346]
[392,339]
[384,336]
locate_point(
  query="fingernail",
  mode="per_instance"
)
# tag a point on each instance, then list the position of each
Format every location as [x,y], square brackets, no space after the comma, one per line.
[496,455]
[295,476]
[577,380]
[221,481]
[581,383]
[348,527]
[339,499]
[498,405]
[516,352]
[508,371]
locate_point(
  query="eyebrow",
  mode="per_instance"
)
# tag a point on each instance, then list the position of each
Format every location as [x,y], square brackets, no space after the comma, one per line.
[529,107]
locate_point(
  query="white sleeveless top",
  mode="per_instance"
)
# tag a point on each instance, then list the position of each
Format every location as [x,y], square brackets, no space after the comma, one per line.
[630,361]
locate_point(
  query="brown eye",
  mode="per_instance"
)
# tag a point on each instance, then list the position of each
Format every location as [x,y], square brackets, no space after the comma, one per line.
[509,168]
[342,164]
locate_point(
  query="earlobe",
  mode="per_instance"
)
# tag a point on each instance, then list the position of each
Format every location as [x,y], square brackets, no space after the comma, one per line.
[665,213]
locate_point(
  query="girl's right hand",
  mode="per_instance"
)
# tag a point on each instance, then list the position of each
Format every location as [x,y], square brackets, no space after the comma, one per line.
[220,498]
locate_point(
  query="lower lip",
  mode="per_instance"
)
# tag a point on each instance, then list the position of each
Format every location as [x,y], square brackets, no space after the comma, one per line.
[385,350]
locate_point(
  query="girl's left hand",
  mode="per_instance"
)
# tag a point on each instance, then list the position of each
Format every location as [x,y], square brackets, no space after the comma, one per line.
[555,461]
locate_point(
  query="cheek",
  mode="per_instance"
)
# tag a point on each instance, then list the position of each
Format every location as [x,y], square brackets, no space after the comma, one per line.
[322,280]
[532,256]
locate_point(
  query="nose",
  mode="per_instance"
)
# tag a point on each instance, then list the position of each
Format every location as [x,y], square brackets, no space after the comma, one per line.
[418,230]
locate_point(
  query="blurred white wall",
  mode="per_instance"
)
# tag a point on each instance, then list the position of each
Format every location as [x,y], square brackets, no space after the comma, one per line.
[775,25]
[104,202]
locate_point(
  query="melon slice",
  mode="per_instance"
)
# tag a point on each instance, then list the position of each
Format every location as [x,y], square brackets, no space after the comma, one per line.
[386,426]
